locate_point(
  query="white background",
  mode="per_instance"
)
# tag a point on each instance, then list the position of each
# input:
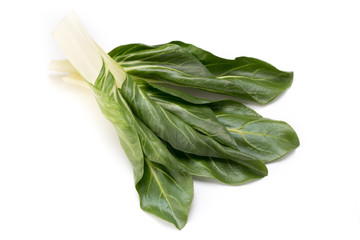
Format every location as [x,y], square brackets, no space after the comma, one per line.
[63,174]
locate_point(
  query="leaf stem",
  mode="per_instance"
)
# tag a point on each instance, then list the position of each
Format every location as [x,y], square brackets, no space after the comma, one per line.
[83,53]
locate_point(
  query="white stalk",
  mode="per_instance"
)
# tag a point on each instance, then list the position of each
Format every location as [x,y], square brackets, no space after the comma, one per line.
[62,66]
[73,76]
[83,53]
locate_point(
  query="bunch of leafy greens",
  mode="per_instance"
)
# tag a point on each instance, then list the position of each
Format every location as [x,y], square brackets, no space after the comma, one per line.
[169,135]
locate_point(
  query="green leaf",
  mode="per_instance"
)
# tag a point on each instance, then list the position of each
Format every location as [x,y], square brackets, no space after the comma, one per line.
[178,133]
[259,80]
[232,107]
[200,117]
[224,170]
[105,77]
[262,138]
[166,193]
[266,139]
[230,111]
[182,64]
[116,110]
[154,149]
[180,94]
[256,141]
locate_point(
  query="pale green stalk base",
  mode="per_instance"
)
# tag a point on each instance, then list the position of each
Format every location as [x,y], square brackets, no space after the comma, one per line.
[82,51]
[64,66]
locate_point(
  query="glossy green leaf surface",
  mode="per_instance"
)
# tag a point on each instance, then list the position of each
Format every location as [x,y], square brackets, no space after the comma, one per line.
[117,111]
[180,94]
[183,64]
[259,80]
[154,149]
[262,138]
[224,170]
[266,139]
[200,117]
[164,187]
[180,135]
[166,193]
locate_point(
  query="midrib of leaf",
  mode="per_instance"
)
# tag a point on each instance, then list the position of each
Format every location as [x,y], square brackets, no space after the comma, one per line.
[242,132]
[252,78]
[130,65]
[151,166]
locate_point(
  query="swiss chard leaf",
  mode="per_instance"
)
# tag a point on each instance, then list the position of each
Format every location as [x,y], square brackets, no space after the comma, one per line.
[117,111]
[224,170]
[266,139]
[154,149]
[183,64]
[166,193]
[262,138]
[180,94]
[164,187]
[259,80]
[200,117]
[180,135]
